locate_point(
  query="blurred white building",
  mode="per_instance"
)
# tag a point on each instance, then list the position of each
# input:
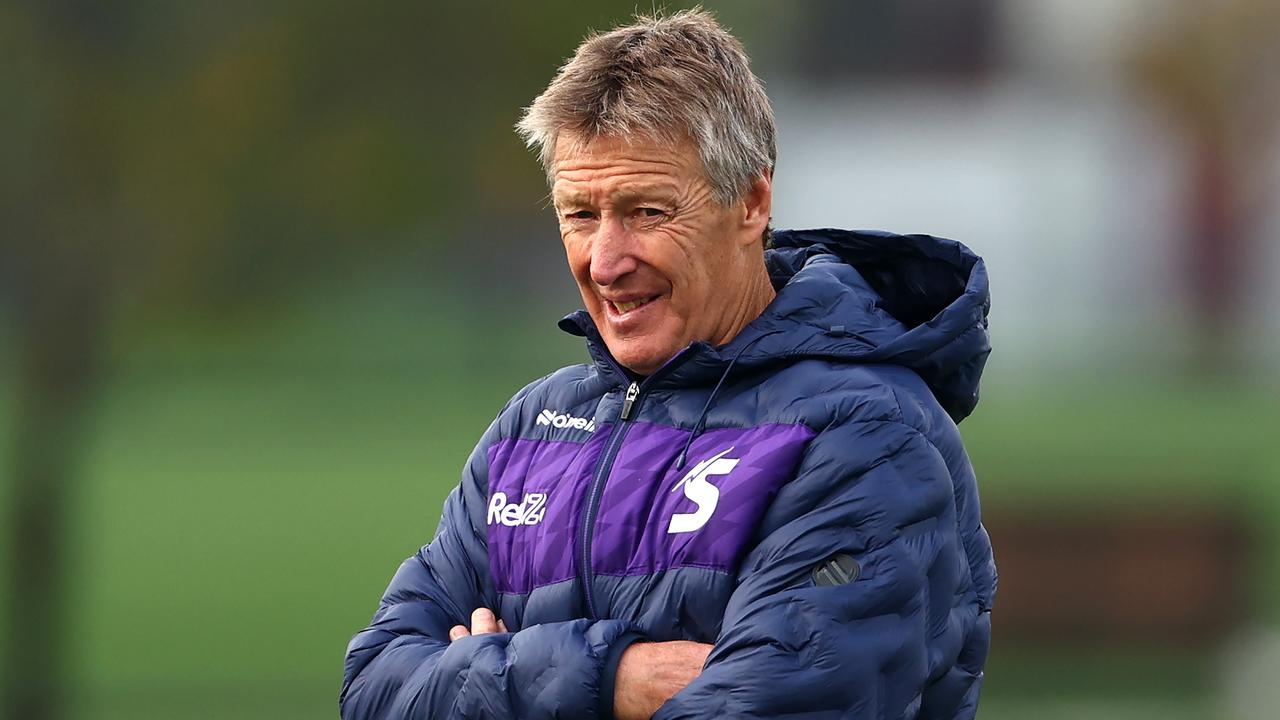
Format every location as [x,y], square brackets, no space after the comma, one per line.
[1042,154]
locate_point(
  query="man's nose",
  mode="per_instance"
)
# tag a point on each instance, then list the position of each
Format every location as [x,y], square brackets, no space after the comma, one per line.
[612,253]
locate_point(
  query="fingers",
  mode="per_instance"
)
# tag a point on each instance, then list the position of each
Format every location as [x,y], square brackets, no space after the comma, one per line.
[483,622]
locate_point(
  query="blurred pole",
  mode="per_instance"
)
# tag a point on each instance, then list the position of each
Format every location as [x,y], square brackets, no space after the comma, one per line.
[58,334]
[63,229]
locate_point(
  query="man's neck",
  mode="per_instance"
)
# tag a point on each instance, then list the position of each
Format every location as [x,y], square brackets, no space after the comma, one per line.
[758,294]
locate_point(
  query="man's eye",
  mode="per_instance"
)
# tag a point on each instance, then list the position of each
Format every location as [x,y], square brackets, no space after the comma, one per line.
[650,212]
[580,215]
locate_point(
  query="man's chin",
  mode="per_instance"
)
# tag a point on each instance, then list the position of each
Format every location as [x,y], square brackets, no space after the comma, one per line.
[639,358]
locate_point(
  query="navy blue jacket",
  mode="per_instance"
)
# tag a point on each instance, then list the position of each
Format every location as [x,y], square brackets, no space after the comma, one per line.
[799,497]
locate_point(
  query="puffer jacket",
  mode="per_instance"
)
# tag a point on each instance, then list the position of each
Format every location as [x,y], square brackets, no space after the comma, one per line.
[799,497]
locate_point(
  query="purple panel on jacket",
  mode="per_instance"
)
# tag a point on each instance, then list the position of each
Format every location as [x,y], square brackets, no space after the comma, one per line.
[654,517]
[536,490]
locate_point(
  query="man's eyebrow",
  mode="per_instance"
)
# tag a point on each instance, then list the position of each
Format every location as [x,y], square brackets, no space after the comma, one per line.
[646,191]
[570,197]
[624,194]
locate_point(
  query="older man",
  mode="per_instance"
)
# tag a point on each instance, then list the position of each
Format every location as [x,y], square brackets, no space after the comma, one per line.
[753,502]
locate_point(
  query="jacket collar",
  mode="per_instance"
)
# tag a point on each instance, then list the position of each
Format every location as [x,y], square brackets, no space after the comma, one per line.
[863,297]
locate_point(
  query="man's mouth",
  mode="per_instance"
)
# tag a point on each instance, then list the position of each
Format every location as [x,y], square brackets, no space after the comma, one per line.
[625,307]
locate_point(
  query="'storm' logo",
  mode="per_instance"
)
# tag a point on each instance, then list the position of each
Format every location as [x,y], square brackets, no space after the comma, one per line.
[697,489]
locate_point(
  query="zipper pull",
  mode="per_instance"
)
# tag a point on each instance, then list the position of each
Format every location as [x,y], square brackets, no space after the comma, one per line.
[632,393]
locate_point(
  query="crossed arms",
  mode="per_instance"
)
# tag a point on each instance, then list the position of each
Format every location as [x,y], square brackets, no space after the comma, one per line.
[648,673]
[787,645]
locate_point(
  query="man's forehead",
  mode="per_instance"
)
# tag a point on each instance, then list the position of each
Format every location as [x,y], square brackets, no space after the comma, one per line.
[632,166]
[639,144]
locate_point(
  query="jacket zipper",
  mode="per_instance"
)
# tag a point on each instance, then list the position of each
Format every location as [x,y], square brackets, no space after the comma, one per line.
[619,432]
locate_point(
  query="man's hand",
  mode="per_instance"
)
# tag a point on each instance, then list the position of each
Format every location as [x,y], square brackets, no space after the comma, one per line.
[650,673]
[482,622]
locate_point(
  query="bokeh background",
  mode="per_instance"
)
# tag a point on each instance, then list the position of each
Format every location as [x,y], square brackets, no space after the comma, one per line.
[267,270]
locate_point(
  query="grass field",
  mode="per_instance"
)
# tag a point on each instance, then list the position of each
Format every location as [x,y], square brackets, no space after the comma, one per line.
[246,497]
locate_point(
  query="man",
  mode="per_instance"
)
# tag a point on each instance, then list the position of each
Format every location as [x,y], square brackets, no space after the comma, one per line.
[754,501]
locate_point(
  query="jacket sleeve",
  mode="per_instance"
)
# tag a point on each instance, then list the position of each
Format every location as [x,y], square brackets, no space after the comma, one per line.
[404,666]
[865,640]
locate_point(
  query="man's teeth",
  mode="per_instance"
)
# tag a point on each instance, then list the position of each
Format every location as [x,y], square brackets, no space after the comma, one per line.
[626,307]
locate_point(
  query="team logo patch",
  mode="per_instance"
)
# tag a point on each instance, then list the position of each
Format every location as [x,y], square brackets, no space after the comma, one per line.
[705,495]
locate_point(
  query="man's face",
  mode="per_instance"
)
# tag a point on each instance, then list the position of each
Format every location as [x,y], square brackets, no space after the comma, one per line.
[660,263]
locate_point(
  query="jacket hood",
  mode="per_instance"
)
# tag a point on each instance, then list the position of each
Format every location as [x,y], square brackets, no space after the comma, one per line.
[860,296]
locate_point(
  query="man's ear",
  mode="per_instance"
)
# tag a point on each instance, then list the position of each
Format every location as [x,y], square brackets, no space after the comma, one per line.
[757,204]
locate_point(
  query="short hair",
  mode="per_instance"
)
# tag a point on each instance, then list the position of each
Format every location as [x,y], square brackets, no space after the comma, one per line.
[665,78]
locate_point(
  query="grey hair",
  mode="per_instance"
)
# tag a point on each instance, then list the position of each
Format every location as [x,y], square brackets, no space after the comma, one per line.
[664,78]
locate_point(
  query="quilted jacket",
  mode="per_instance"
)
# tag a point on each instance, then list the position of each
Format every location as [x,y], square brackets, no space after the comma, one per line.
[799,497]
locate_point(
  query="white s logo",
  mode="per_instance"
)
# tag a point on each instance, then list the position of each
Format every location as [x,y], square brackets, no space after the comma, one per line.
[697,489]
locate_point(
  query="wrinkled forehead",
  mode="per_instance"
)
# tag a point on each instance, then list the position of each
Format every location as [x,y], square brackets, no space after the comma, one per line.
[624,165]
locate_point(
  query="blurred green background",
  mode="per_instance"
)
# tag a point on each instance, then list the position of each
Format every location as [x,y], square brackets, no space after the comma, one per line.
[269,269]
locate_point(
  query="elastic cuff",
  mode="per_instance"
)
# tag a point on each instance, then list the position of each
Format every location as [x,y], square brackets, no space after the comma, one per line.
[609,676]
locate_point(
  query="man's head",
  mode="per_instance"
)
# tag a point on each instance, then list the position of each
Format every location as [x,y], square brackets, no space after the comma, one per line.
[659,146]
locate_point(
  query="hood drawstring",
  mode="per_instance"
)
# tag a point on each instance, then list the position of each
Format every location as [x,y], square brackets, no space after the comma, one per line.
[702,418]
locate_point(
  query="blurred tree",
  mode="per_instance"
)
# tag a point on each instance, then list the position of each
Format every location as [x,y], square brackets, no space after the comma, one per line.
[190,160]
[1214,69]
